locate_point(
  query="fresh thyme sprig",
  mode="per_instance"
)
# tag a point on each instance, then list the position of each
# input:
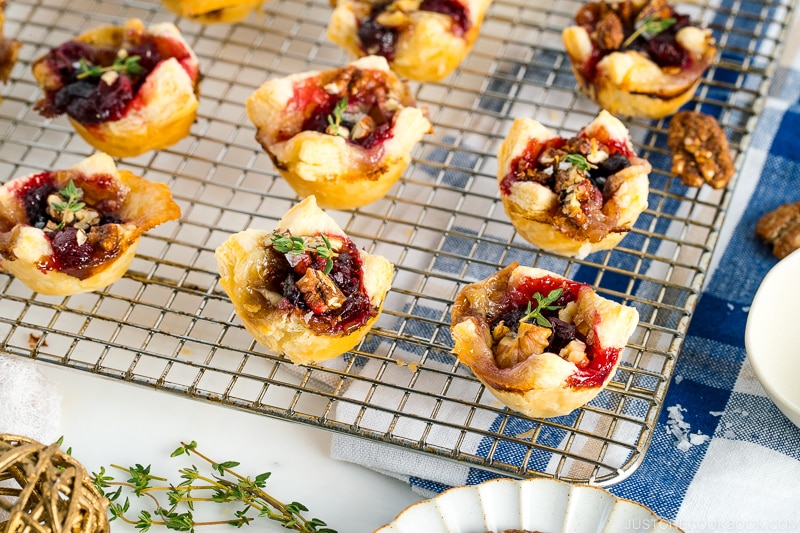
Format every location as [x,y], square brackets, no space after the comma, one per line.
[542,303]
[577,160]
[222,486]
[651,26]
[73,196]
[124,65]
[335,118]
[289,244]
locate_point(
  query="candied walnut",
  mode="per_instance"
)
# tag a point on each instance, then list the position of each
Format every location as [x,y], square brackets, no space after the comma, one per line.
[319,291]
[655,10]
[609,32]
[700,151]
[9,48]
[780,228]
[513,348]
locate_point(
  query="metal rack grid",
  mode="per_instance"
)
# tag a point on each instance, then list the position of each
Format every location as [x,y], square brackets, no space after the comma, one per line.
[168,325]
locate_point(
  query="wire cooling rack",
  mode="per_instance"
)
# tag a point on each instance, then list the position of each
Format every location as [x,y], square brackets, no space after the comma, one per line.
[168,325]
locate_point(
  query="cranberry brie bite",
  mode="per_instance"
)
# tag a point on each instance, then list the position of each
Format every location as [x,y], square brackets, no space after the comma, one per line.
[304,289]
[9,48]
[212,11]
[637,58]
[423,40]
[71,231]
[543,344]
[344,135]
[125,89]
[572,196]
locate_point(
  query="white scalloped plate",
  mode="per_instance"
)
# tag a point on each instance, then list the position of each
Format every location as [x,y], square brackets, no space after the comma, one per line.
[543,505]
[774,355]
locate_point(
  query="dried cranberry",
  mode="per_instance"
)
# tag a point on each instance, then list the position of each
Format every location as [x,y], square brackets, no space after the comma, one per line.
[291,292]
[563,334]
[64,59]
[377,136]
[108,218]
[89,99]
[149,56]
[377,39]
[451,8]
[67,252]
[607,168]
[35,201]
[665,50]
[89,102]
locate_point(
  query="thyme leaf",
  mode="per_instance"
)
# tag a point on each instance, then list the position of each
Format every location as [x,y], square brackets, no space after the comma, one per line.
[221,485]
[289,244]
[124,65]
[542,303]
[335,118]
[73,196]
[651,26]
[577,160]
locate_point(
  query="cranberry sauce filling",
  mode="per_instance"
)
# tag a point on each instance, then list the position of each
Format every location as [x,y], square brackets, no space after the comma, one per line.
[528,165]
[662,48]
[453,9]
[528,161]
[377,39]
[601,360]
[86,91]
[319,109]
[72,254]
[346,274]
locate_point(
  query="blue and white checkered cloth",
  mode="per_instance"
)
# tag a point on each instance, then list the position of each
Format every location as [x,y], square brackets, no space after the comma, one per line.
[739,468]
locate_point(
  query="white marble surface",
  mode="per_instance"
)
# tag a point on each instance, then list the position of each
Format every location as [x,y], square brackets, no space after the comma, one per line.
[107,422]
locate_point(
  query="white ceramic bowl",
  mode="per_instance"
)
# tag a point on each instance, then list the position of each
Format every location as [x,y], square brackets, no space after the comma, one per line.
[545,505]
[772,347]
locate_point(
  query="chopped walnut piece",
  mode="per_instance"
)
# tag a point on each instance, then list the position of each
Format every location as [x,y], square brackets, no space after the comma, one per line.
[362,128]
[106,237]
[700,151]
[529,340]
[319,291]
[780,228]
[575,352]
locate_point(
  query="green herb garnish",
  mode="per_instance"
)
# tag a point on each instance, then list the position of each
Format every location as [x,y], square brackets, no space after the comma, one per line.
[124,65]
[651,26]
[222,485]
[289,244]
[577,160]
[335,118]
[542,303]
[73,196]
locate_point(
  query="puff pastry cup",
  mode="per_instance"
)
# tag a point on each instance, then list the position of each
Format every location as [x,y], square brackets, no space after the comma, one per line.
[125,89]
[423,40]
[304,289]
[572,196]
[212,11]
[539,368]
[70,231]
[637,58]
[344,135]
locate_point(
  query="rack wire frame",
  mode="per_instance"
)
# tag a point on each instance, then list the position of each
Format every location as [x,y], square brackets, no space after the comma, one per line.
[168,325]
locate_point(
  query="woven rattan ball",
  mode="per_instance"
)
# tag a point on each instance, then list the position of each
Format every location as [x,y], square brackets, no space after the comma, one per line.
[44,490]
